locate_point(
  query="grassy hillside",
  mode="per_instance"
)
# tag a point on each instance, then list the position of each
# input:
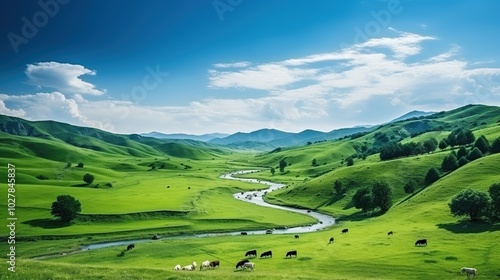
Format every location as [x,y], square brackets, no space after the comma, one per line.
[146,186]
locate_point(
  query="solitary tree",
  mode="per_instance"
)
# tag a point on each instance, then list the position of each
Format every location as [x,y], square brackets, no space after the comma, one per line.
[314,162]
[462,152]
[338,187]
[432,176]
[474,154]
[66,208]
[283,164]
[495,147]
[382,195]
[273,170]
[443,144]
[494,192]
[362,199]
[449,163]
[430,145]
[80,164]
[410,186]
[349,161]
[88,178]
[469,203]
[482,144]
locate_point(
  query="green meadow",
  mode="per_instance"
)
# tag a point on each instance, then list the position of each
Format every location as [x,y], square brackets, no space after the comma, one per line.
[145,186]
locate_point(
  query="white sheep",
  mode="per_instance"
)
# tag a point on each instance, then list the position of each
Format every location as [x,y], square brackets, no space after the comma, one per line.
[205,264]
[177,267]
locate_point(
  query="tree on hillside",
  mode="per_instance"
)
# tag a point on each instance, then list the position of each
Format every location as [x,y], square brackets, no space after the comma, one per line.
[273,170]
[474,154]
[314,162]
[482,144]
[66,208]
[283,164]
[432,176]
[469,203]
[462,152]
[349,161]
[410,187]
[449,163]
[80,164]
[88,178]
[494,192]
[338,187]
[443,144]
[495,147]
[382,196]
[362,199]
[463,161]
[430,145]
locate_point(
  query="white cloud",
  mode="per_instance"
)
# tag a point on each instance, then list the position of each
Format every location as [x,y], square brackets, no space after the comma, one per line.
[233,65]
[63,77]
[367,83]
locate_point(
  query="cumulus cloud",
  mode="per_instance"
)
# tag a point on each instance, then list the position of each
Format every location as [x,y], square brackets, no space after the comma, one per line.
[366,83]
[63,77]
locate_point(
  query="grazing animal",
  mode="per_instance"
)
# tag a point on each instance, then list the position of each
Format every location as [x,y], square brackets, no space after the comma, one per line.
[188,267]
[470,271]
[177,267]
[296,236]
[205,264]
[331,240]
[291,254]
[249,265]
[345,230]
[390,233]
[130,247]
[241,263]
[194,265]
[244,233]
[267,254]
[422,242]
[251,253]
[214,264]
[155,237]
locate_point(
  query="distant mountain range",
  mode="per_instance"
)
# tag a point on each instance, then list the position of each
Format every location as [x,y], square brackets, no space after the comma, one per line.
[265,139]
[203,137]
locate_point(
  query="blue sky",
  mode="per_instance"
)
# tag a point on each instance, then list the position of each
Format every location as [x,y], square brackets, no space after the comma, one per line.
[241,65]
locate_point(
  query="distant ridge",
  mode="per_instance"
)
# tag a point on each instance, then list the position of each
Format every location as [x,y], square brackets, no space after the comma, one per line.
[203,137]
[412,114]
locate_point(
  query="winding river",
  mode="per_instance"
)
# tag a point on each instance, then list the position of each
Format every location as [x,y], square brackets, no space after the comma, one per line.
[256,197]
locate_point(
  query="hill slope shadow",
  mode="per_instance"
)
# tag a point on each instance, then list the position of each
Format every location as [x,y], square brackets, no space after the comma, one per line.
[46,223]
[469,227]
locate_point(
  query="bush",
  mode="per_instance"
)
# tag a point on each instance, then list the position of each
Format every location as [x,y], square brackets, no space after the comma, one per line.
[80,164]
[410,187]
[42,177]
[88,178]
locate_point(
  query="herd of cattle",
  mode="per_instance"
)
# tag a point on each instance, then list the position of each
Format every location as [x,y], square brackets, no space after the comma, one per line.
[247,264]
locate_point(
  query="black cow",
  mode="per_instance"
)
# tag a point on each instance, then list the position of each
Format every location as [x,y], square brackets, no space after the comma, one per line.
[244,233]
[296,236]
[345,230]
[331,240]
[130,247]
[251,253]
[390,233]
[241,263]
[267,254]
[155,237]
[422,242]
[214,264]
[291,254]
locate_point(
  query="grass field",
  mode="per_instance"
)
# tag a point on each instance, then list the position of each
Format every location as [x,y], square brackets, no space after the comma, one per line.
[148,187]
